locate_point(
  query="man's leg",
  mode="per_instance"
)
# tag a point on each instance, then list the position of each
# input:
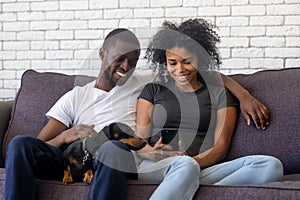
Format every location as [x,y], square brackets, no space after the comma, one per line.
[113,165]
[179,176]
[255,169]
[28,158]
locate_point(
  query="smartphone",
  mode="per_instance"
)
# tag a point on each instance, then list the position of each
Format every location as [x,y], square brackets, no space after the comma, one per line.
[170,137]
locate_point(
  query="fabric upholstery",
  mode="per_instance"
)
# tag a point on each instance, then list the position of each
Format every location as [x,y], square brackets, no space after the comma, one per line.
[37,94]
[279,90]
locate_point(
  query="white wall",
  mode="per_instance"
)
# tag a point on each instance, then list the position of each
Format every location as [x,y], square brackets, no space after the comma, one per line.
[64,36]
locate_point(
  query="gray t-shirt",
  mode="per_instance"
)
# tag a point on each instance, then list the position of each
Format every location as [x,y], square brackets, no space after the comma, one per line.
[192,113]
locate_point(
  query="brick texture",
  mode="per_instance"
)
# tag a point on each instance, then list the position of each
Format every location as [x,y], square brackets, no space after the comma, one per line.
[65,35]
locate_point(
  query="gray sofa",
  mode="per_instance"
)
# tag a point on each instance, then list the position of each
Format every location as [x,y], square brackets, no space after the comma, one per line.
[278,89]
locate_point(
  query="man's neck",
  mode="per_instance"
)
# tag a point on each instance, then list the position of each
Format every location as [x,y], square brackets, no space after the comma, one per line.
[103,85]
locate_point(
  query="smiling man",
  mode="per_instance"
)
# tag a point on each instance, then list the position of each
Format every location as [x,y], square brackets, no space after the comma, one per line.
[78,114]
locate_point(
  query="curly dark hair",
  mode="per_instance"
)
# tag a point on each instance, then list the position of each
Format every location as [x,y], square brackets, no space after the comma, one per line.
[195,35]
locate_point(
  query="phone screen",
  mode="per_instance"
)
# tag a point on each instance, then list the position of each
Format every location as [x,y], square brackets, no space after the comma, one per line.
[170,137]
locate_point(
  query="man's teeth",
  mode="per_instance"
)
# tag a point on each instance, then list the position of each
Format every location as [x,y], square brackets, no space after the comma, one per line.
[120,74]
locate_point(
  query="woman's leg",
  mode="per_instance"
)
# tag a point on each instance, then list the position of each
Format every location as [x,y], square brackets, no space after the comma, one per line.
[178,175]
[254,169]
[28,158]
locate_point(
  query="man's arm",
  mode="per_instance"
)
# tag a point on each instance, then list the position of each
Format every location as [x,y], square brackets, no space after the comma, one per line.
[250,106]
[56,133]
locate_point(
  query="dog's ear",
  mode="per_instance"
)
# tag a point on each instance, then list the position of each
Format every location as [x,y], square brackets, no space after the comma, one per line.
[108,133]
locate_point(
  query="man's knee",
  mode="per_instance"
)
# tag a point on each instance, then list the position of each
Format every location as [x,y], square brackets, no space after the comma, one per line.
[112,147]
[116,155]
[20,142]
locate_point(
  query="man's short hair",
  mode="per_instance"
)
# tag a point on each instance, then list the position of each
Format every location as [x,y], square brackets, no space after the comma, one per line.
[120,34]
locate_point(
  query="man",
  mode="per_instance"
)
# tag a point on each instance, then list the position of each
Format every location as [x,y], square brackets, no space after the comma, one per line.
[86,110]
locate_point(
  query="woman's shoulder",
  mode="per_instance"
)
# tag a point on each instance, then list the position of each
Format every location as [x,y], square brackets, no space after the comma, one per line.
[157,84]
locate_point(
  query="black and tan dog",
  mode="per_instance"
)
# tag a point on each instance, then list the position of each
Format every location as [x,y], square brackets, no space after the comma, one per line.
[78,163]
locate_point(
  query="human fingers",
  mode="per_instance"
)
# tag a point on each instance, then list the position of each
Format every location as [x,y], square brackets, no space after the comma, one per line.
[255,119]
[247,118]
[264,116]
[91,125]
[84,131]
[265,111]
[158,145]
[181,146]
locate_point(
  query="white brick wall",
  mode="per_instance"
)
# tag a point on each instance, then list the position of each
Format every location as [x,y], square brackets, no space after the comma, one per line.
[64,36]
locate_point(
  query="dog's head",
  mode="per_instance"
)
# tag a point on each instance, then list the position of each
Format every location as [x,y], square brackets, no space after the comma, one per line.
[75,158]
[122,132]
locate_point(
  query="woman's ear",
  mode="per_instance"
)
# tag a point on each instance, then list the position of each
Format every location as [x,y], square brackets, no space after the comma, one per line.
[101,53]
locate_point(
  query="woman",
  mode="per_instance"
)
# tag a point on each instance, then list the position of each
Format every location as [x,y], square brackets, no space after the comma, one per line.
[186,100]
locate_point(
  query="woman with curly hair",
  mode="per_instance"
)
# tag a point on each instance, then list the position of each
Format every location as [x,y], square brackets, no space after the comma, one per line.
[196,115]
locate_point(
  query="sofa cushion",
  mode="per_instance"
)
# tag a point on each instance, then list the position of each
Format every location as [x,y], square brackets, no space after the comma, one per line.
[280,91]
[38,92]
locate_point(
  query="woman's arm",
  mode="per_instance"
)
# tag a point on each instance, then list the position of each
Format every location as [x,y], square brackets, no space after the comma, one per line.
[226,119]
[250,106]
[143,130]
[143,118]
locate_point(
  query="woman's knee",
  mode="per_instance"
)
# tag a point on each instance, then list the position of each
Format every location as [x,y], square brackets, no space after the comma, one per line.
[270,162]
[188,164]
[272,167]
[275,167]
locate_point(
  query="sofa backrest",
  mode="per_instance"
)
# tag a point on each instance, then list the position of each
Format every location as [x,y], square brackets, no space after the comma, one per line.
[279,90]
[37,94]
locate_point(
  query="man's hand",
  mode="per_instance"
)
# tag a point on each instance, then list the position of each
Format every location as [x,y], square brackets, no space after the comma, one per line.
[77,132]
[253,108]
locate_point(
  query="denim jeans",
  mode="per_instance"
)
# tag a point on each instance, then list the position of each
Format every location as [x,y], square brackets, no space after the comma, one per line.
[28,158]
[113,165]
[254,169]
[179,177]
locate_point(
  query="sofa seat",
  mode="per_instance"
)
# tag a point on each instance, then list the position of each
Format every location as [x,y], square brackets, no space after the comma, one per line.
[137,190]
[278,89]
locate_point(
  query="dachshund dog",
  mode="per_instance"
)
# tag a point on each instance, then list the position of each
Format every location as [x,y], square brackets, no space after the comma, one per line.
[78,157]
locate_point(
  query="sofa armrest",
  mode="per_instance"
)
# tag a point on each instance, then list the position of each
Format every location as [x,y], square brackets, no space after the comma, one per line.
[5,114]
[5,110]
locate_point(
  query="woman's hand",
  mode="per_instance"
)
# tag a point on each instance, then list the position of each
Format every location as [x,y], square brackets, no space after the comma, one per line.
[251,107]
[159,151]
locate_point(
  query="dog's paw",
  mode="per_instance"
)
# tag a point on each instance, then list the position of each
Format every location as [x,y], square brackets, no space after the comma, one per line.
[67,176]
[88,176]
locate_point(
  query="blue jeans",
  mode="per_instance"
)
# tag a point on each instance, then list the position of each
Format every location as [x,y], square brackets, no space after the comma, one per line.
[180,184]
[28,158]
[113,165]
[179,177]
[256,169]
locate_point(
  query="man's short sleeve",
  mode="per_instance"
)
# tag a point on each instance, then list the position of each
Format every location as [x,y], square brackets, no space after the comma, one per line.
[63,110]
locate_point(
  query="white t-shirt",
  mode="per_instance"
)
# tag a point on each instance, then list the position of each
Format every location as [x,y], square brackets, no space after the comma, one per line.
[89,105]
